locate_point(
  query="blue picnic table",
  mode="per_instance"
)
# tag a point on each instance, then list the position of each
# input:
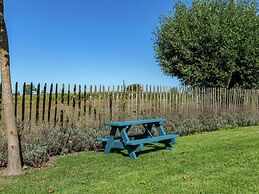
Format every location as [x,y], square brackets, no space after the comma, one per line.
[135,143]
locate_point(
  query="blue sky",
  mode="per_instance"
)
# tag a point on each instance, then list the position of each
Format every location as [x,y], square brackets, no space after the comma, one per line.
[85,41]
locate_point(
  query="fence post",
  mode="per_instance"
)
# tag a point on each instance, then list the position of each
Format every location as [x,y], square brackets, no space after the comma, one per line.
[62,106]
[74,105]
[37,104]
[110,103]
[44,102]
[68,103]
[23,101]
[79,102]
[15,98]
[84,100]
[50,99]
[31,90]
[90,101]
[56,105]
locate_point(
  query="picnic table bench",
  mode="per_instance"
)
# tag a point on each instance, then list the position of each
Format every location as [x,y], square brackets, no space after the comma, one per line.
[136,142]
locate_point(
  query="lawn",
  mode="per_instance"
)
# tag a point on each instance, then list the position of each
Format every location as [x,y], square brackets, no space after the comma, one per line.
[226,161]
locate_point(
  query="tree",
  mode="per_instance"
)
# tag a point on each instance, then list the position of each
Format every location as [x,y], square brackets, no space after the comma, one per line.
[29,88]
[134,87]
[14,160]
[213,43]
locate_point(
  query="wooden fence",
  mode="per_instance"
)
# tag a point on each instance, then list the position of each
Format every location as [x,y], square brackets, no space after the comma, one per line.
[70,104]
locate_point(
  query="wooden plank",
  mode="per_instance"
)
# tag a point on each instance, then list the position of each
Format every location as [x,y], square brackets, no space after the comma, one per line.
[152,139]
[50,99]
[85,89]
[15,98]
[150,99]
[110,108]
[131,100]
[31,91]
[107,104]
[99,99]
[117,103]
[124,104]
[135,122]
[68,95]
[154,99]
[94,102]
[90,101]
[168,100]
[163,100]
[68,103]
[79,102]
[74,106]
[95,114]
[141,97]
[137,100]
[56,105]
[37,104]
[103,112]
[62,106]
[23,101]
[44,102]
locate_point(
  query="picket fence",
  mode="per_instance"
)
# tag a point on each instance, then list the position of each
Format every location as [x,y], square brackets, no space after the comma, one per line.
[60,105]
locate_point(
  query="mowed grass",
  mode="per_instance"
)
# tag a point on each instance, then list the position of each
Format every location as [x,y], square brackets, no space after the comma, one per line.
[226,161]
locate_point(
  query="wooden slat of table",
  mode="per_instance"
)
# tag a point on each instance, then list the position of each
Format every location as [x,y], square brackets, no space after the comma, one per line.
[151,139]
[135,122]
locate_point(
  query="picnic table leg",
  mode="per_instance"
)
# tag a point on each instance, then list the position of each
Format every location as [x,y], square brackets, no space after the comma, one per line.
[161,131]
[125,138]
[168,146]
[139,148]
[148,130]
[131,152]
[110,141]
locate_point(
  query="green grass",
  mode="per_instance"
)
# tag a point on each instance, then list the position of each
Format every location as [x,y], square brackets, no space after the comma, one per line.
[225,161]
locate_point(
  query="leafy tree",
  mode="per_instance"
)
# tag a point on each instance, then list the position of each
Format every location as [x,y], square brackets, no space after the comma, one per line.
[134,87]
[213,43]
[29,88]
[14,166]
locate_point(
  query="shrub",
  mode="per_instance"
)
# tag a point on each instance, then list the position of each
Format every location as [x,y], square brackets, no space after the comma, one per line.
[39,144]
[211,123]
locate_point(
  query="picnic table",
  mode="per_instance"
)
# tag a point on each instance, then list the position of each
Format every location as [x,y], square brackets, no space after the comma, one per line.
[134,143]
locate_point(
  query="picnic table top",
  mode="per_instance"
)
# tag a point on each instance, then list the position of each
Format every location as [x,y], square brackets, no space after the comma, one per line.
[135,122]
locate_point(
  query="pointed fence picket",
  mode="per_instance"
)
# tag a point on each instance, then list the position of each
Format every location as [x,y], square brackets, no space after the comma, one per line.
[98,104]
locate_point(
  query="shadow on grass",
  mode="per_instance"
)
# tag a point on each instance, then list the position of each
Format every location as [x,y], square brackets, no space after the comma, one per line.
[148,148]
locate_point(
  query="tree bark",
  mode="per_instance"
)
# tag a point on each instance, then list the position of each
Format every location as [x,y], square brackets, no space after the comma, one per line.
[14,166]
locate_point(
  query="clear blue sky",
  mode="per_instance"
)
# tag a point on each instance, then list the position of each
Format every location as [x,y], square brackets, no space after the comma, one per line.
[85,41]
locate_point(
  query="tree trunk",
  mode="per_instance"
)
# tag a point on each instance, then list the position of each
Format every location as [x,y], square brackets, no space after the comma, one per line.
[14,160]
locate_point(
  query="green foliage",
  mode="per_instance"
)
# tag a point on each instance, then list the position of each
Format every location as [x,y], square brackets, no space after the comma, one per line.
[211,44]
[39,144]
[207,122]
[28,89]
[134,87]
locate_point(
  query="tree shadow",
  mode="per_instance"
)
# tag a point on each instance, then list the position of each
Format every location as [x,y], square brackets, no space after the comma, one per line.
[148,148]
